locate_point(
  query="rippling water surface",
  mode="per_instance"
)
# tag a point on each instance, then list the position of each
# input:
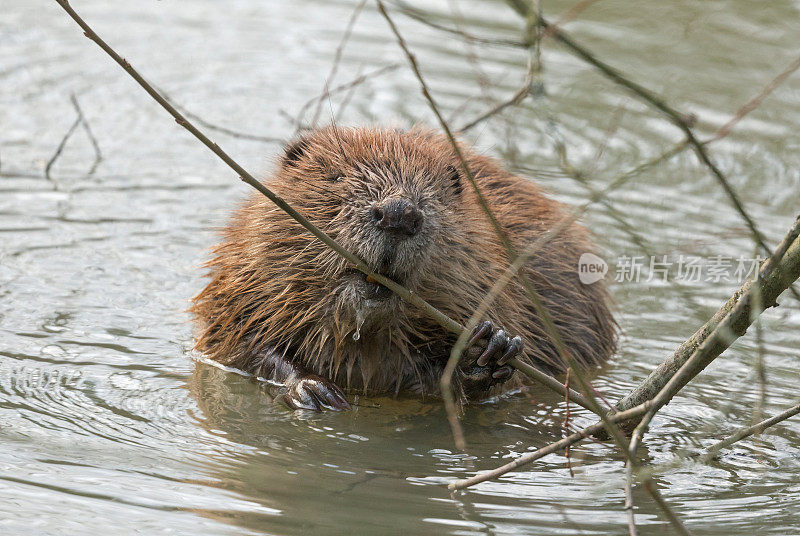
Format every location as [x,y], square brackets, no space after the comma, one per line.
[107,424]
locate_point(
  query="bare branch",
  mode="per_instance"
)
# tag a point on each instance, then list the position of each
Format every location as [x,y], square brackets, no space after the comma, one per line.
[714,449]
[347,98]
[214,127]
[416,15]
[59,150]
[754,102]
[682,121]
[352,84]
[98,155]
[543,314]
[556,446]
[337,57]
[773,279]
[515,99]
[401,291]
[729,323]
[412,298]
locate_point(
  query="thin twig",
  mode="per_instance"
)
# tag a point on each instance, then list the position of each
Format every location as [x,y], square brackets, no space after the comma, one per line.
[757,428]
[59,150]
[213,126]
[761,373]
[98,155]
[755,101]
[337,57]
[677,524]
[533,78]
[682,121]
[515,99]
[535,36]
[629,506]
[722,132]
[568,16]
[418,16]
[711,452]
[566,423]
[608,135]
[541,310]
[775,276]
[298,120]
[347,97]
[628,449]
[405,294]
[554,447]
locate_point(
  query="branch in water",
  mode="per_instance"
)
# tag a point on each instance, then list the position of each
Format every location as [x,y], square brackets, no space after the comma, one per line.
[401,291]
[548,324]
[409,297]
[728,323]
[774,280]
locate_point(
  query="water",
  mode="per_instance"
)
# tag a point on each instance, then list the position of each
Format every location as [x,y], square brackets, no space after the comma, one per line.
[108,424]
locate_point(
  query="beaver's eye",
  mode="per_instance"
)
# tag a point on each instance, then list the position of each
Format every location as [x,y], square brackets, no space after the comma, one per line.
[454,178]
[334,176]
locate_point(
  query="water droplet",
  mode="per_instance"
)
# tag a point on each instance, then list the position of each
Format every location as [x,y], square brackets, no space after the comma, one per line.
[359,323]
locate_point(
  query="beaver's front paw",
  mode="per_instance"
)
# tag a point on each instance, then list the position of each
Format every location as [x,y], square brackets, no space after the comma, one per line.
[314,393]
[493,349]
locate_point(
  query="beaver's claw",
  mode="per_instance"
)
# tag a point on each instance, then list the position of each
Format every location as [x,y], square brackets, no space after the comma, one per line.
[495,349]
[314,393]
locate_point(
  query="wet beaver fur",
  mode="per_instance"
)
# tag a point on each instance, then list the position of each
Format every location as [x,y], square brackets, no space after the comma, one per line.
[282,305]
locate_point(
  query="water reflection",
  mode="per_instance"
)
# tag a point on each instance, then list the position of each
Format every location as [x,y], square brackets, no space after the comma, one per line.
[103,415]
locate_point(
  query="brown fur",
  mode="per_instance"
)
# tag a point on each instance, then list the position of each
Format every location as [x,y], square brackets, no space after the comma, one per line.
[273,285]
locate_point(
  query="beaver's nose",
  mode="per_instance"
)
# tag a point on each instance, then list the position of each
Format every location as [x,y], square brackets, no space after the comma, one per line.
[398,216]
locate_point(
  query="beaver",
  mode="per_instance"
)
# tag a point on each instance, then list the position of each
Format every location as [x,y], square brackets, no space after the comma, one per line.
[282,305]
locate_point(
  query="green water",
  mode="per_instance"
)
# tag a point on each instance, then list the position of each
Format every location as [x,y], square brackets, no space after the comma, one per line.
[108,425]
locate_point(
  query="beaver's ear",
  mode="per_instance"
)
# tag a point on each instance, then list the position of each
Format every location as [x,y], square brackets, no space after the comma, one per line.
[454,179]
[294,152]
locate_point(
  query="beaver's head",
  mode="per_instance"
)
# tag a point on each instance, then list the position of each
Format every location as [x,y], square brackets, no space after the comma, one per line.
[394,199]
